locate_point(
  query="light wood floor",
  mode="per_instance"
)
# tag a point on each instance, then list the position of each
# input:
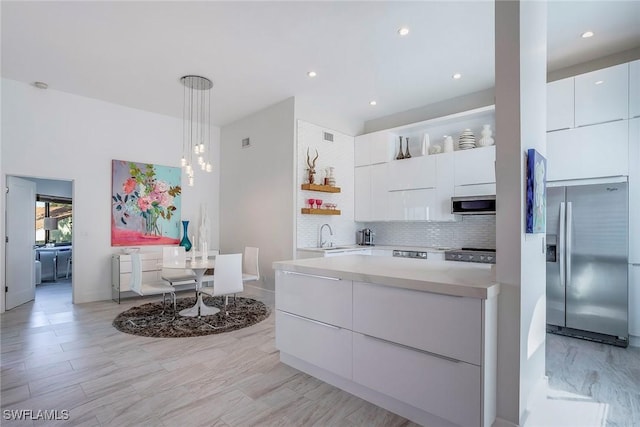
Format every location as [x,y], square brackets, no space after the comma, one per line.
[56,355]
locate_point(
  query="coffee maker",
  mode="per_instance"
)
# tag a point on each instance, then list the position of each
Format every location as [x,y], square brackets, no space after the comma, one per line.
[365,237]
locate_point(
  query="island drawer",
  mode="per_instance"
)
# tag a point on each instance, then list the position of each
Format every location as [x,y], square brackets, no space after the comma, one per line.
[447,325]
[320,344]
[449,389]
[325,299]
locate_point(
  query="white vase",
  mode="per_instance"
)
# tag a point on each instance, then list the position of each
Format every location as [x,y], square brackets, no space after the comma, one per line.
[486,139]
[448,144]
[425,144]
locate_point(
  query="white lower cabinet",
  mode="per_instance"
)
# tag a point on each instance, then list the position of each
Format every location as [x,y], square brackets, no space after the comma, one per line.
[320,344]
[426,356]
[325,299]
[415,315]
[447,388]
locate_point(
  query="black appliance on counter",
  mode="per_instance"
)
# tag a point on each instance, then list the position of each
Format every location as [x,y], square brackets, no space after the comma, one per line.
[365,237]
[483,256]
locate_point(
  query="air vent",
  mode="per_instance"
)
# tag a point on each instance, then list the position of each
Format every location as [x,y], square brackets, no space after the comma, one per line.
[328,137]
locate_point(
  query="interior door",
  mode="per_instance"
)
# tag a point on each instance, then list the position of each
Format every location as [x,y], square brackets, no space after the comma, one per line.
[555,256]
[21,236]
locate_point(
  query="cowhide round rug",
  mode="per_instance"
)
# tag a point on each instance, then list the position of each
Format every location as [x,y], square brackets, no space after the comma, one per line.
[147,319]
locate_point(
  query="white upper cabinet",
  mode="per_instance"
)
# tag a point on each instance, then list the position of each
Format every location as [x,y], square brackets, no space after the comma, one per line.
[590,152]
[445,188]
[560,98]
[476,166]
[371,196]
[362,150]
[602,96]
[373,148]
[413,173]
[379,194]
[362,194]
[412,205]
[634,89]
[381,147]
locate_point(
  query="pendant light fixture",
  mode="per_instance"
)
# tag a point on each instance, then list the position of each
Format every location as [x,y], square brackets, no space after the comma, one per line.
[196,125]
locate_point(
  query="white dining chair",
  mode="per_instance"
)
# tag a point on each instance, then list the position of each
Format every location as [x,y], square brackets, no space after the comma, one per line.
[143,288]
[208,275]
[250,269]
[227,278]
[176,255]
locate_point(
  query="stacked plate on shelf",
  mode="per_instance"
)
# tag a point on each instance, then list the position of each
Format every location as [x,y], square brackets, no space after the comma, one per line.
[466,140]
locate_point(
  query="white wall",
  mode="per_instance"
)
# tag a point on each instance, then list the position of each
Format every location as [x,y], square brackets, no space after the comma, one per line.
[521,267]
[338,154]
[55,135]
[257,186]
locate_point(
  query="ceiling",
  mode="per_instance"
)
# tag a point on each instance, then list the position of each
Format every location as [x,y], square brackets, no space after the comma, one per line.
[259,53]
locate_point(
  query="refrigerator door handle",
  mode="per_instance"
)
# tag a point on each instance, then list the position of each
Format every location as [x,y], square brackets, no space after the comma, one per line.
[568,242]
[561,244]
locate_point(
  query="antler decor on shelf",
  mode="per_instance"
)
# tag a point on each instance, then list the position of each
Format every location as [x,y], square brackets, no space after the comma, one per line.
[312,166]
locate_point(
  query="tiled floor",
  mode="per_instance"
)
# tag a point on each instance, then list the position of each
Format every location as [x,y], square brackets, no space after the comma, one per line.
[68,357]
[59,356]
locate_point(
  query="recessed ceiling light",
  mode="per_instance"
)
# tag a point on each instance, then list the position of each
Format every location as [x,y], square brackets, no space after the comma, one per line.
[457,76]
[373,103]
[40,85]
[599,82]
[403,31]
[587,34]
[312,74]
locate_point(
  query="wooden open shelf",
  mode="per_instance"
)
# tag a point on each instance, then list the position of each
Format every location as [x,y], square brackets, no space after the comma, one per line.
[308,211]
[322,188]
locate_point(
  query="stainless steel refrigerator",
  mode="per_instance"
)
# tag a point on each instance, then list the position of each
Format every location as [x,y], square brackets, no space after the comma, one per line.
[587,255]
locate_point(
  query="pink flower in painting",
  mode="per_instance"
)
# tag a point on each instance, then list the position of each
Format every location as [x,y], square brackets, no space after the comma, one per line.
[161,187]
[165,200]
[129,185]
[144,203]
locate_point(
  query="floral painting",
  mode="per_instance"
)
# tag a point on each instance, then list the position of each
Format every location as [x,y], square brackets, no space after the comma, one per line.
[536,192]
[145,204]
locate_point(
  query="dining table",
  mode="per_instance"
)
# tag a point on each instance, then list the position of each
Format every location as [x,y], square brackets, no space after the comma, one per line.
[199,267]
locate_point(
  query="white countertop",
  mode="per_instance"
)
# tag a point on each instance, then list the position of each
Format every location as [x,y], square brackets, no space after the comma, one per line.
[385,247]
[443,277]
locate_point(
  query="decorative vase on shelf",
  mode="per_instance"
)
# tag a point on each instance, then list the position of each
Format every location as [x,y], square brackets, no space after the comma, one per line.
[330,179]
[407,154]
[486,139]
[448,144]
[185,236]
[400,155]
[425,144]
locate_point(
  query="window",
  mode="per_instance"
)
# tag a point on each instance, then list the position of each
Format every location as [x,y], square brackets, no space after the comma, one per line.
[54,219]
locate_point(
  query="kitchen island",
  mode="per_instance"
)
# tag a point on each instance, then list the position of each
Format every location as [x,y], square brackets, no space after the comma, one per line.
[415,337]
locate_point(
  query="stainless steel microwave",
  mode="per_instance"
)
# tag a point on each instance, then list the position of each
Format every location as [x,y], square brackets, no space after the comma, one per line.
[474,205]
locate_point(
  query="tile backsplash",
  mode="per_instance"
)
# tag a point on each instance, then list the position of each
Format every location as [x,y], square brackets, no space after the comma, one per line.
[477,231]
[338,154]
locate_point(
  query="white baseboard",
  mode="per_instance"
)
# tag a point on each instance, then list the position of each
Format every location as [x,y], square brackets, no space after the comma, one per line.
[634,341]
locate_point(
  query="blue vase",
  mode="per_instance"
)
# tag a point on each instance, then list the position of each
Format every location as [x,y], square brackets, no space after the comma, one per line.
[185,236]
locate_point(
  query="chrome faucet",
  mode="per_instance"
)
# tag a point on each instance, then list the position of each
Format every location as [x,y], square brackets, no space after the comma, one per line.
[321,243]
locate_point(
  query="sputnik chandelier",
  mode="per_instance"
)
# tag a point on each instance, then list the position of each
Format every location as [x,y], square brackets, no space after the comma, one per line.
[196,125]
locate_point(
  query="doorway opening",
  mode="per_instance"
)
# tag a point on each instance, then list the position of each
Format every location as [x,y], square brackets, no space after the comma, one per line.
[40,240]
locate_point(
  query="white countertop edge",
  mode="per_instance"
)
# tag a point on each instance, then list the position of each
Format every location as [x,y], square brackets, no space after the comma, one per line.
[437,249]
[352,267]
